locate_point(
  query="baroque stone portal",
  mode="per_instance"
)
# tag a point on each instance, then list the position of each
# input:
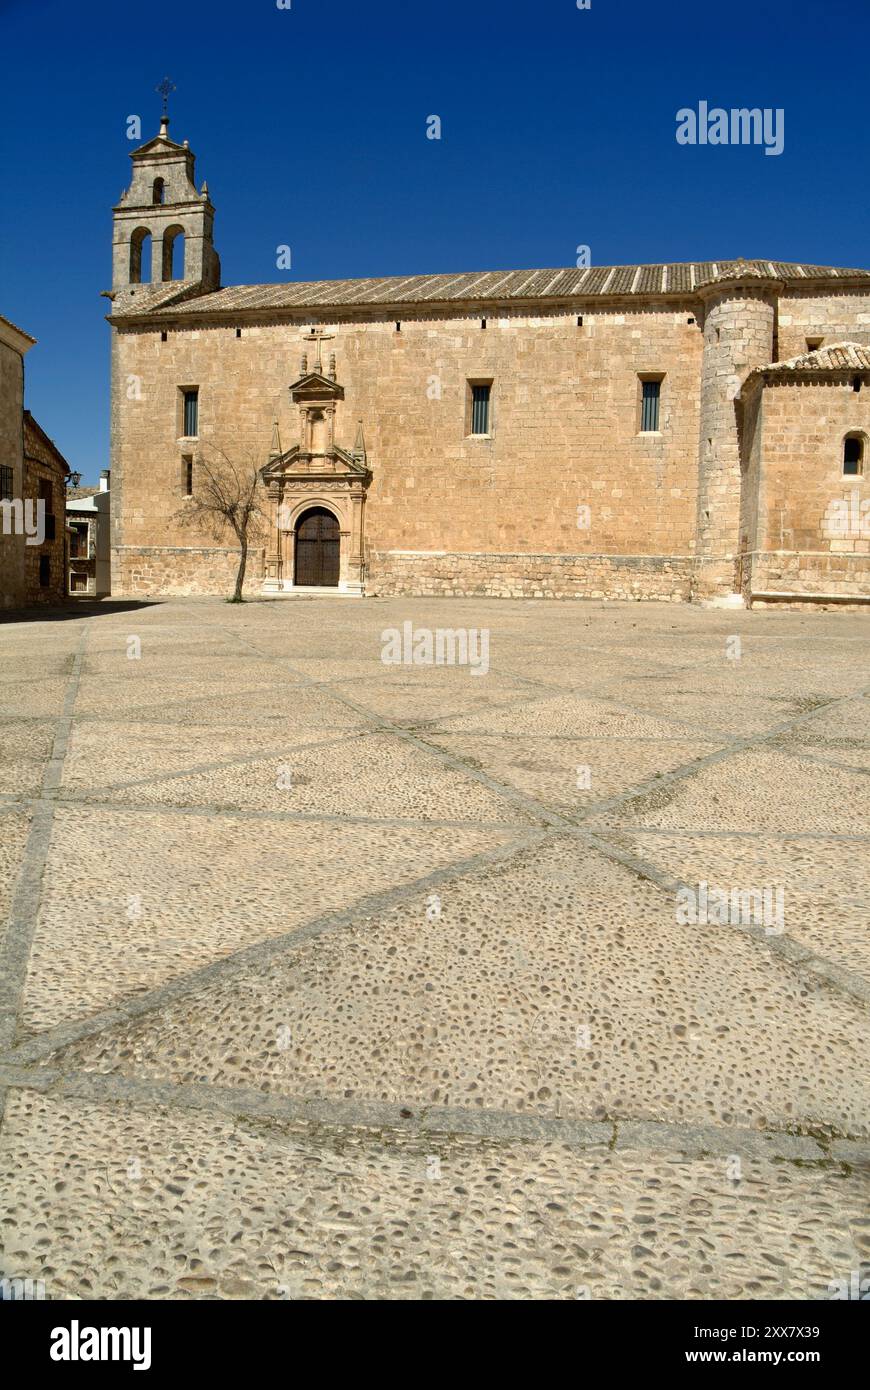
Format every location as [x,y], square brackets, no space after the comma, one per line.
[312,475]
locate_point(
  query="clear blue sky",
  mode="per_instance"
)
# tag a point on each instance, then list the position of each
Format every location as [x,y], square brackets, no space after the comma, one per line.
[309,125]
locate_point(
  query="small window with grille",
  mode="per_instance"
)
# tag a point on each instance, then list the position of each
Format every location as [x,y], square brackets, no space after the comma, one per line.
[650,400]
[190,412]
[479,408]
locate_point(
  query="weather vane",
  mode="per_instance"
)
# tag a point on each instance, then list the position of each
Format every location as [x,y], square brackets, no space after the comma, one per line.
[163,90]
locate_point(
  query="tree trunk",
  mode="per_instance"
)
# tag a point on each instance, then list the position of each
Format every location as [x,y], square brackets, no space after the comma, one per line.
[240,577]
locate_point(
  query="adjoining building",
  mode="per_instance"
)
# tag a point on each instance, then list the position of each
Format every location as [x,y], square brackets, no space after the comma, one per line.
[663,431]
[14,345]
[33,480]
[45,481]
[89,528]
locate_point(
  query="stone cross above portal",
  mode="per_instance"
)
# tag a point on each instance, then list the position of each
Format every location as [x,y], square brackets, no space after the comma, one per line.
[318,336]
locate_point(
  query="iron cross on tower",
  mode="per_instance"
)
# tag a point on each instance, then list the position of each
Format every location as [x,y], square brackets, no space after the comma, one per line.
[318,336]
[163,90]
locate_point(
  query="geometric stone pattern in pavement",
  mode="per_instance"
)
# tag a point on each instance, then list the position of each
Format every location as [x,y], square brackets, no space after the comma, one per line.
[329,978]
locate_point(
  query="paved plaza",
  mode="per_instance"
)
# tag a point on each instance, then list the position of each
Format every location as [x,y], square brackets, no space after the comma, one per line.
[332,977]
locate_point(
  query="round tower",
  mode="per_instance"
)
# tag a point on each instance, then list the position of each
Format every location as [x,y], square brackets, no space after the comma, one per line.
[740,304]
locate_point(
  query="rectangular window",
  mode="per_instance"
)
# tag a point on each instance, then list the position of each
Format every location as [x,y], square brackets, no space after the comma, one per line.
[45,570]
[480,404]
[7,478]
[187,474]
[190,420]
[649,406]
[78,546]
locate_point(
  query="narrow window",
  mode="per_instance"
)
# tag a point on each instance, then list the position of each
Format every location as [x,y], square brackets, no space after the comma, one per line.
[480,408]
[649,406]
[238,333]
[163,336]
[398,327]
[579,320]
[187,465]
[813,344]
[45,570]
[6,481]
[856,383]
[853,456]
[190,422]
[159,192]
[483,323]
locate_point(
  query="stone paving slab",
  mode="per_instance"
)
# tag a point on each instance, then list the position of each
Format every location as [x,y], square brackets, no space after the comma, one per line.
[825,881]
[556,983]
[755,789]
[14,829]
[191,890]
[570,774]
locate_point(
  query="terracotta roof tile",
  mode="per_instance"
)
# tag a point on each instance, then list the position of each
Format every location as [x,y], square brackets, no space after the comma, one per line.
[477,286]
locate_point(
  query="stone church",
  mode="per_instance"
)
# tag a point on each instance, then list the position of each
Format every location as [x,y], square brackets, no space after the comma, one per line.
[678,432]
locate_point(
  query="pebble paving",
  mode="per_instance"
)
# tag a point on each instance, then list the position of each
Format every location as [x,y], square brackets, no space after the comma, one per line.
[322,977]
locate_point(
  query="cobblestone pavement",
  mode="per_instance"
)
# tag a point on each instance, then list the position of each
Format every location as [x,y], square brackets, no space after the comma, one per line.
[325,977]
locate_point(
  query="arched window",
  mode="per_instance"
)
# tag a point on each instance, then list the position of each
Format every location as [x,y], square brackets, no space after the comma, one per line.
[173,253]
[159,192]
[140,256]
[853,455]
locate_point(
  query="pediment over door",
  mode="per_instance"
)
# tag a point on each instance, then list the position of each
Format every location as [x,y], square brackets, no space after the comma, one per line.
[314,465]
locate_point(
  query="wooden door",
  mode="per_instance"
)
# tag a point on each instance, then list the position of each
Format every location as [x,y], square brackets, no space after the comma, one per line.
[317,549]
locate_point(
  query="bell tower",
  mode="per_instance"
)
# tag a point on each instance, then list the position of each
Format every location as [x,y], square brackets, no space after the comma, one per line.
[162,226]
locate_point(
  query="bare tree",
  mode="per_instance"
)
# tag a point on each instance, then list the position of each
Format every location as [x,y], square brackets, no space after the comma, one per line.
[226,497]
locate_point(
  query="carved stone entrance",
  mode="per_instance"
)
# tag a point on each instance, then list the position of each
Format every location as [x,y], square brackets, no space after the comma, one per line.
[317,492]
[317,549]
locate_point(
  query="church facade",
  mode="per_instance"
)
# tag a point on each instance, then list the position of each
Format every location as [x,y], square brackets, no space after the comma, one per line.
[693,431]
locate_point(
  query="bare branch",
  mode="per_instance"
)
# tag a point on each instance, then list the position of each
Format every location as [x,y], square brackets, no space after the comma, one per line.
[227,493]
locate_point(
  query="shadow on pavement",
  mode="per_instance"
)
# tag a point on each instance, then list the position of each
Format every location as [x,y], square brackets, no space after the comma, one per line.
[80,608]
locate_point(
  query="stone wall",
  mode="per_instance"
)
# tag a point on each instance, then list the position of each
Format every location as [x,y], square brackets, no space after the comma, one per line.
[42,464]
[11,456]
[838,317]
[146,571]
[668,577]
[565,444]
[812,534]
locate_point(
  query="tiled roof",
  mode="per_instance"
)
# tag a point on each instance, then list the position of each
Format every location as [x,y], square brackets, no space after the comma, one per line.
[838,357]
[73,492]
[497,286]
[10,324]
